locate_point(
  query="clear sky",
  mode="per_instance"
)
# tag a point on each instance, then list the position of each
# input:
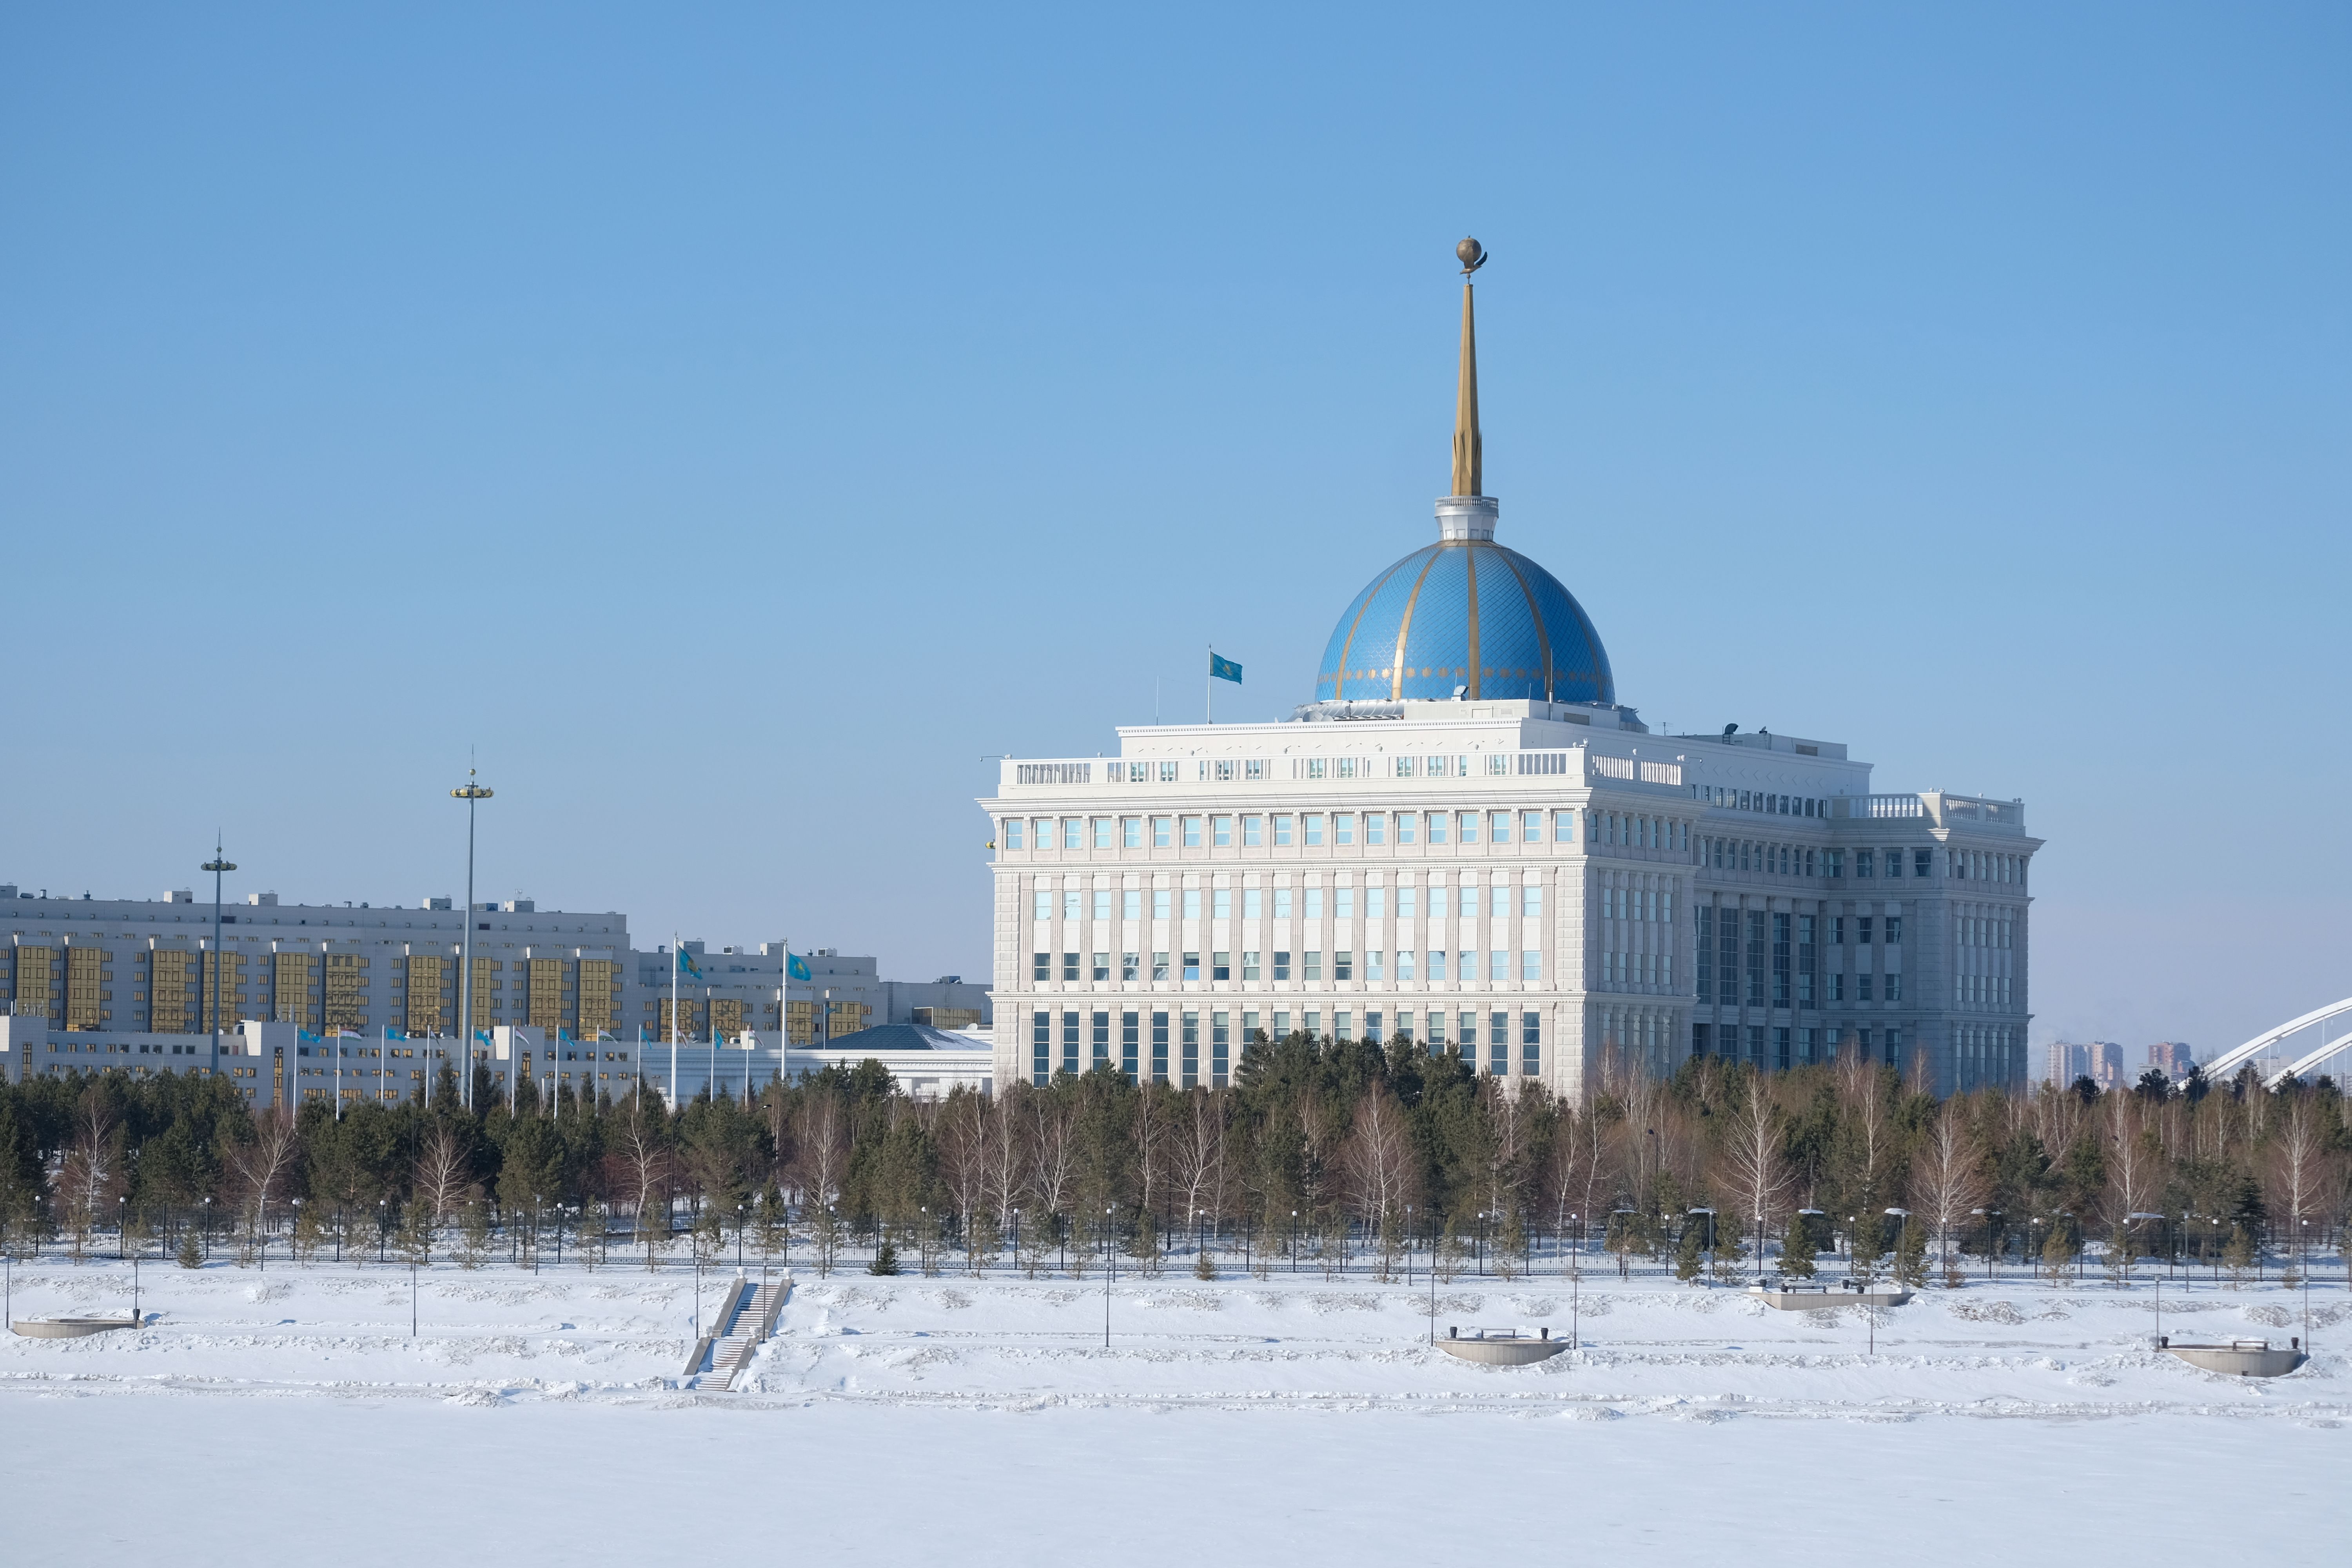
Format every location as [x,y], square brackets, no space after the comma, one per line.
[734,423]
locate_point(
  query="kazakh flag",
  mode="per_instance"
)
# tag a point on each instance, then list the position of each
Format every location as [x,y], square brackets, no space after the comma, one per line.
[687,966]
[795,966]
[1224,668]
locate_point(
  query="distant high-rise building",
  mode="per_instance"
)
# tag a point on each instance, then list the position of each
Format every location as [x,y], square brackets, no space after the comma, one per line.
[2173,1055]
[2066,1063]
[2106,1068]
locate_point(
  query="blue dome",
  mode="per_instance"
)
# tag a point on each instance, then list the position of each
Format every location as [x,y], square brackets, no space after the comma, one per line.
[1466,612]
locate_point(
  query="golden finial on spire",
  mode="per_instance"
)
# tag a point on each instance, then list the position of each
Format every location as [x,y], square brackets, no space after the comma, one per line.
[1469,461]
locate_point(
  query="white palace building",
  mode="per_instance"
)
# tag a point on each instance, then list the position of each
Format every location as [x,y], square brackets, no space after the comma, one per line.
[1467,839]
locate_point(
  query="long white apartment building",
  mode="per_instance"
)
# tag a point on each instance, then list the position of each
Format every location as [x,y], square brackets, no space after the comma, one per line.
[1465,838]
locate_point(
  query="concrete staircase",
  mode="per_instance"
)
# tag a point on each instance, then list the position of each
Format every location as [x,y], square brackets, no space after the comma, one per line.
[744,1322]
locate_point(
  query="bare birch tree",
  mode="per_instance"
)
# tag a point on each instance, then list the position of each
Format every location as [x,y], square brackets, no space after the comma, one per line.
[1948,1180]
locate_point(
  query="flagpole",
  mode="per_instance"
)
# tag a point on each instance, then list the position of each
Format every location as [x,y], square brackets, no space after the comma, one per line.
[676,953]
[1209,688]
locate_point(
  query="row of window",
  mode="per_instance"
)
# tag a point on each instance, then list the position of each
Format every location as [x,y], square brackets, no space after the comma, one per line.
[1078,1040]
[1076,903]
[1401,966]
[1758,800]
[1314,829]
[1782,1047]
[1759,958]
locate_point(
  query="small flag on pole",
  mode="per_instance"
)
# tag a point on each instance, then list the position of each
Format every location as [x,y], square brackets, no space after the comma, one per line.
[1223,670]
[795,966]
[687,966]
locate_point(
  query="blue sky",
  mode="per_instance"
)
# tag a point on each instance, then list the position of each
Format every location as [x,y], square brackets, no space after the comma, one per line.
[733,423]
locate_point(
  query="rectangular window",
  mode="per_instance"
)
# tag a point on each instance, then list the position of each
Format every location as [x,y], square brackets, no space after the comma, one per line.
[1192,966]
[1498,828]
[1070,1033]
[1282,829]
[1435,1030]
[1894,863]
[1465,827]
[1755,958]
[1102,903]
[1130,904]
[1253,832]
[1780,1049]
[1070,967]
[1343,902]
[1044,907]
[1706,946]
[1312,823]
[1862,929]
[1726,952]
[1160,966]
[1343,828]
[1070,904]
[1313,968]
[1131,966]
[1282,966]
[1161,829]
[1895,985]
[1895,930]
[1343,1029]
[1498,902]
[1013,833]
[1314,903]
[1282,903]
[1406,822]
[1074,830]
[1041,966]
[1920,860]
[1437,827]
[1532,1043]
[1781,958]
[1403,969]
[1192,903]
[1531,826]
[1861,987]
[1376,828]
[1436,967]
[1191,1050]
[1221,832]
[1563,828]
[1531,965]
[1159,899]
[1220,966]
[1040,1048]
[1102,832]
[1191,833]
[1252,900]
[1808,961]
[1372,1028]
[1465,966]
[1375,902]
[1132,832]
[1221,903]
[1102,966]
[1101,1037]
[1373,968]
[1837,985]
[1221,1044]
[1249,967]
[1343,965]
[1498,1044]
[1866,862]
[1405,902]
[1437,904]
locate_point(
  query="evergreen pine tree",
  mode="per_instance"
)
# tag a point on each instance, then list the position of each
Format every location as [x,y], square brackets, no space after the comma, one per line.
[1688,1255]
[885,1258]
[1797,1249]
[2239,1254]
[1450,1251]
[1510,1245]
[1201,1268]
[1868,1245]
[476,1229]
[1911,1254]
[2057,1251]
[191,1254]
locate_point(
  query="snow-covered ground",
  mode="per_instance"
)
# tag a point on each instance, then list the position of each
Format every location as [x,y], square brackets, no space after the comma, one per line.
[258,1411]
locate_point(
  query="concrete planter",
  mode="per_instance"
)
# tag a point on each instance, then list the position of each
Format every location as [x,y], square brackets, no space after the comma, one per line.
[2239,1358]
[1500,1350]
[1818,1298]
[70,1328]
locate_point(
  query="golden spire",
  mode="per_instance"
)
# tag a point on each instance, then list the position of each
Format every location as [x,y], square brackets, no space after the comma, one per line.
[1469,461]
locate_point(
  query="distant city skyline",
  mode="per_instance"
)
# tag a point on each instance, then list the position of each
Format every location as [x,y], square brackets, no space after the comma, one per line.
[735,432]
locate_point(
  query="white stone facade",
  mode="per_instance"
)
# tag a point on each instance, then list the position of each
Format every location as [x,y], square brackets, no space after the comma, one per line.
[1361,879]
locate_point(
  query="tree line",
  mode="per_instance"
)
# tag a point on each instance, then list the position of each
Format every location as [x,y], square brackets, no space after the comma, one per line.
[1323,1149]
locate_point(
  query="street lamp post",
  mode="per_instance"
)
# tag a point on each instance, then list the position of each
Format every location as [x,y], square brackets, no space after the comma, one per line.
[472,795]
[210,991]
[1111,1274]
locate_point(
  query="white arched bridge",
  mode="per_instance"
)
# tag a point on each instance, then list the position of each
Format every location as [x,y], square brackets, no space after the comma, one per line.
[2267,1047]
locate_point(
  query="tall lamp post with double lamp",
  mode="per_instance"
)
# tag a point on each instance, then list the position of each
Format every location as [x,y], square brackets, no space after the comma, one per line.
[217,865]
[472,795]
